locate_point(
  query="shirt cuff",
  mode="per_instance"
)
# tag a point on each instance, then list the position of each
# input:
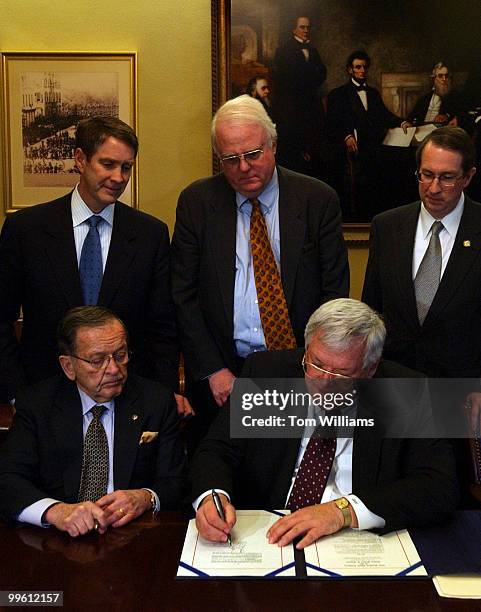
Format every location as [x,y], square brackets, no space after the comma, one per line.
[33,514]
[365,518]
[196,503]
[156,498]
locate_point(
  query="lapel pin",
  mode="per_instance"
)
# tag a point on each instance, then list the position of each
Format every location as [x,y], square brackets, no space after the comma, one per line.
[467,243]
[135,417]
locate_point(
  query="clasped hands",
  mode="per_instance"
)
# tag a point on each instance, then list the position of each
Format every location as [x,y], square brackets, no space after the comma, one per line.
[311,522]
[112,510]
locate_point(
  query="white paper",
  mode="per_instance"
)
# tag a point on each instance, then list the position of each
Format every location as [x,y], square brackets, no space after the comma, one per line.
[395,137]
[361,553]
[461,586]
[250,554]
[423,131]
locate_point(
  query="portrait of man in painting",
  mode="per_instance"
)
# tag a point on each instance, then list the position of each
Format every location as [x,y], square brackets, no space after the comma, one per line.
[351,85]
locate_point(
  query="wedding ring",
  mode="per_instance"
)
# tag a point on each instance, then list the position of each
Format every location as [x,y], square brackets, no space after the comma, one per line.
[96,525]
[121,511]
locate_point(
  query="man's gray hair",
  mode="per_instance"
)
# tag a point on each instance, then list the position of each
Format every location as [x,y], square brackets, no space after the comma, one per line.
[244,110]
[343,320]
[437,67]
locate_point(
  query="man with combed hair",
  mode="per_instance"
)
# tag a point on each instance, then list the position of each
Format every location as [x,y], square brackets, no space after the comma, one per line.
[48,254]
[373,482]
[436,331]
[93,448]
[213,278]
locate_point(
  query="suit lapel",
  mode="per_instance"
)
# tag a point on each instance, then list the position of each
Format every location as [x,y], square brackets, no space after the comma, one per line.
[128,428]
[221,239]
[366,449]
[122,250]
[60,250]
[461,260]
[68,432]
[404,236]
[292,229]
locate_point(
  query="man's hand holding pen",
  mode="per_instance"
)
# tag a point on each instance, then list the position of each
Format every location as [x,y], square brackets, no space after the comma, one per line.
[209,524]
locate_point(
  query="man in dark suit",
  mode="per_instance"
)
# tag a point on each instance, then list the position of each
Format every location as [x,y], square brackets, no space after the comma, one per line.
[298,75]
[357,121]
[213,279]
[67,466]
[372,480]
[439,335]
[41,255]
[441,105]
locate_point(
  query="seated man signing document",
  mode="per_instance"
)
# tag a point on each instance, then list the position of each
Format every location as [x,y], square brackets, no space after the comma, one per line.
[366,481]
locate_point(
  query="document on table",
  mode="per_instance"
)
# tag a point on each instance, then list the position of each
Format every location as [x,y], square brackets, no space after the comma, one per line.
[395,137]
[423,131]
[461,586]
[249,555]
[361,553]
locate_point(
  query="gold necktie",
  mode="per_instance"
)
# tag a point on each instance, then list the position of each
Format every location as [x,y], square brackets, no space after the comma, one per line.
[272,303]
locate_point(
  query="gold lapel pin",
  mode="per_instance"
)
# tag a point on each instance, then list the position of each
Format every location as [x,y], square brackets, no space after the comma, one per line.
[135,417]
[467,243]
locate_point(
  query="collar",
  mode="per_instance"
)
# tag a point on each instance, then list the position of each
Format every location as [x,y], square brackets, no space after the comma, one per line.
[88,403]
[358,85]
[303,42]
[267,198]
[81,212]
[450,221]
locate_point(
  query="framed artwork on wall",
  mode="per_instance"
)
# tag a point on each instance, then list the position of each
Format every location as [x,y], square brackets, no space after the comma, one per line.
[45,95]
[254,48]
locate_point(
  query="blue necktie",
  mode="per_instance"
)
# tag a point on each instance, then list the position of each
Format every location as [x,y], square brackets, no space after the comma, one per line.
[90,267]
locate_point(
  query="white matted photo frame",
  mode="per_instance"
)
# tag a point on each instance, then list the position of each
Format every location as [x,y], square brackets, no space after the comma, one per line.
[44,97]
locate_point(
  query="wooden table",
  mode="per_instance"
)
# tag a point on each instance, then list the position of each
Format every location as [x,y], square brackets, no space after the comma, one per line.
[134,568]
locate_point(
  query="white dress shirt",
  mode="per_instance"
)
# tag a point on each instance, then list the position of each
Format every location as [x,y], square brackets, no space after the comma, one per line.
[80,213]
[447,235]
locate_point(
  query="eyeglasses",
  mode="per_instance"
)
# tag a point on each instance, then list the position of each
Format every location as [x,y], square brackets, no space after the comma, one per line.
[97,363]
[307,364]
[247,156]
[445,180]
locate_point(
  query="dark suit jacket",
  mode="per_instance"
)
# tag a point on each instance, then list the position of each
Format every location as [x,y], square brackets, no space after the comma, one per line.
[314,265]
[42,456]
[407,482]
[293,75]
[450,106]
[346,113]
[449,341]
[39,272]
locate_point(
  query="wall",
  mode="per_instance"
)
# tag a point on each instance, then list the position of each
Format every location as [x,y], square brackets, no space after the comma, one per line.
[172,40]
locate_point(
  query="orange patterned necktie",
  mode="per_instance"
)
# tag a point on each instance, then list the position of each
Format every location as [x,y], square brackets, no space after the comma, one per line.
[272,303]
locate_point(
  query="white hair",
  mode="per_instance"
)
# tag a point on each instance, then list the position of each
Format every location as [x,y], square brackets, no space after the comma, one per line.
[343,320]
[244,110]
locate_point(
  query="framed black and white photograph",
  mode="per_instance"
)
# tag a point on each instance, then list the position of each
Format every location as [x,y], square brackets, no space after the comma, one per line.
[293,56]
[45,96]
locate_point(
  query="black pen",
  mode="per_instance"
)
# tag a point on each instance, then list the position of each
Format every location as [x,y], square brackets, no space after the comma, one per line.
[220,511]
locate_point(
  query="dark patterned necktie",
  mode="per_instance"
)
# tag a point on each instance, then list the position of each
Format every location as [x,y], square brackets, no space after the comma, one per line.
[428,275]
[95,463]
[90,266]
[271,300]
[313,473]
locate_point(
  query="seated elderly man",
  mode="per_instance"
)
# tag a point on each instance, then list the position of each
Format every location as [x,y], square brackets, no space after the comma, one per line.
[370,481]
[96,448]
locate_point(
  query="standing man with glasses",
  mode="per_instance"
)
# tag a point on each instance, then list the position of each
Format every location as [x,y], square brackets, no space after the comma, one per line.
[255,250]
[95,448]
[424,268]
[87,248]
